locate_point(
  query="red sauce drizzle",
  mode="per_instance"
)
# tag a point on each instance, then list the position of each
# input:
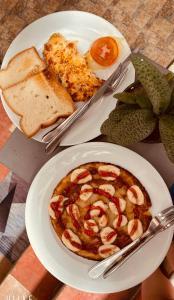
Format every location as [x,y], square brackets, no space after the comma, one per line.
[82,175]
[89,232]
[99,208]
[119,220]
[91,224]
[87,216]
[134,228]
[67,235]
[134,192]
[73,243]
[56,207]
[110,235]
[86,191]
[101,192]
[105,251]
[117,204]
[77,245]
[75,222]
[107,174]
[107,195]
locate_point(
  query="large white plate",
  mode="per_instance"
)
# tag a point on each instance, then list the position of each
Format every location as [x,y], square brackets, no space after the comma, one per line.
[64,264]
[84,28]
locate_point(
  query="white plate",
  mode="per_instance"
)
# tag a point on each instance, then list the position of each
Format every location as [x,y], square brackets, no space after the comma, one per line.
[84,28]
[67,266]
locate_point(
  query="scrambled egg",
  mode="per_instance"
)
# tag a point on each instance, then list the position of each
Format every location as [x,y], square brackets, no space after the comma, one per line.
[70,66]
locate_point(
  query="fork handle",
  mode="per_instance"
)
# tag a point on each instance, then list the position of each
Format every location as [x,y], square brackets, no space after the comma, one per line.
[127,254]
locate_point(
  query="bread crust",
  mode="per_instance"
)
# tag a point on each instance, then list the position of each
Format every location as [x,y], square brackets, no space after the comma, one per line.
[57,90]
[14,57]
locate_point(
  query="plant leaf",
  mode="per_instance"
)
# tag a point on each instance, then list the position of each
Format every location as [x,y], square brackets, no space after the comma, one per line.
[154,82]
[166,127]
[171,105]
[124,106]
[125,97]
[172,112]
[170,76]
[128,126]
[135,96]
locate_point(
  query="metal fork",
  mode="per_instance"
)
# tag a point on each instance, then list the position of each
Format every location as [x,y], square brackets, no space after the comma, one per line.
[61,127]
[159,223]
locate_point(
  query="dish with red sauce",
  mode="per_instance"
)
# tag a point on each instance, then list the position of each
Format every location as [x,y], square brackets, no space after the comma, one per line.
[99,208]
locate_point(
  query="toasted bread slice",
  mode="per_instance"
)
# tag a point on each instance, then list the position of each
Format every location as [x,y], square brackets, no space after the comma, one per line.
[39,102]
[22,65]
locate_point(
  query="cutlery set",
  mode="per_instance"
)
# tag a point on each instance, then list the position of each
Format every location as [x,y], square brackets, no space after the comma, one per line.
[162,221]
[53,137]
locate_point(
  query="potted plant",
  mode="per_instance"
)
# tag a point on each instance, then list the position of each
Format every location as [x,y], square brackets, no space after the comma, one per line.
[145,110]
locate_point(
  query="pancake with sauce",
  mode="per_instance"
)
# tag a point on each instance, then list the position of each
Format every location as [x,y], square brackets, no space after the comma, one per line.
[99,208]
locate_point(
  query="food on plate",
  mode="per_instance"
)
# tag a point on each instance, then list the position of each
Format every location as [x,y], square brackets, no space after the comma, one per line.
[99,208]
[24,64]
[135,229]
[65,61]
[145,110]
[39,102]
[104,51]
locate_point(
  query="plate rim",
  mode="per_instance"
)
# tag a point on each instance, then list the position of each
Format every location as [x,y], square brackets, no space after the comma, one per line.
[35,247]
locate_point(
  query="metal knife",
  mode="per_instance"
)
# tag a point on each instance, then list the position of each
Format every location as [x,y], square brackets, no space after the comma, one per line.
[62,128]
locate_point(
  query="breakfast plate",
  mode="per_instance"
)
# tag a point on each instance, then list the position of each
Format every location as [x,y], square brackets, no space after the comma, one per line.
[69,267]
[91,27]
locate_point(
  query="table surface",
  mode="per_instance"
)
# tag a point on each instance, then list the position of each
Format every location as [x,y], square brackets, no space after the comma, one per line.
[147,24]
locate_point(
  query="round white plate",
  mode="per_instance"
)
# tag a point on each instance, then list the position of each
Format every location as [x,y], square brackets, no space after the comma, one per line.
[84,28]
[69,267]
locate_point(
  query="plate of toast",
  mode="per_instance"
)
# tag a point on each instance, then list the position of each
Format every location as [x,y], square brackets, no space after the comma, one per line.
[56,64]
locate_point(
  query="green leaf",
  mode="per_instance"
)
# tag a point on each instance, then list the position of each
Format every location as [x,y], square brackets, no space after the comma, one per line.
[136,96]
[172,112]
[154,83]
[128,126]
[166,127]
[125,97]
[124,106]
[170,76]
[114,116]
[171,106]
